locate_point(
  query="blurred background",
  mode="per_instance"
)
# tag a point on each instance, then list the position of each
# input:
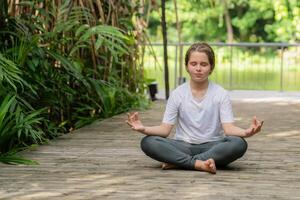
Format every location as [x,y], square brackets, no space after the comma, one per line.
[256,42]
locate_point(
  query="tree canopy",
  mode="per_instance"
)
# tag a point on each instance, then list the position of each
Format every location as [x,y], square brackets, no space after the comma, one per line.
[251,20]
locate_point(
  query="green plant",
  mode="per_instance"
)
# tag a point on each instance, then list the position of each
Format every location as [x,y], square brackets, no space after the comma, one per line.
[64,68]
[17,127]
[11,157]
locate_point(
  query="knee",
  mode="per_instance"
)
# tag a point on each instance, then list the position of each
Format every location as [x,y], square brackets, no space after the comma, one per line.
[240,145]
[147,143]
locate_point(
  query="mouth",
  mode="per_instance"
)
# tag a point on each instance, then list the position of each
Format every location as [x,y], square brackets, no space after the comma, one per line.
[199,75]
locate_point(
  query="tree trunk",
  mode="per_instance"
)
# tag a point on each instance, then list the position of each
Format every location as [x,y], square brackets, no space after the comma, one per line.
[178,26]
[165,43]
[228,22]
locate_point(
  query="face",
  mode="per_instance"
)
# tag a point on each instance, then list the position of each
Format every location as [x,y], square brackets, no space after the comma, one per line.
[198,67]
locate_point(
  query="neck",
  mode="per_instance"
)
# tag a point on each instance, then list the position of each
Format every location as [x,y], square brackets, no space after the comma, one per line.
[199,86]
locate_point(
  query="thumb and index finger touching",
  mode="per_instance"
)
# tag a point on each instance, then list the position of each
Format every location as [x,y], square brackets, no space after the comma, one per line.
[131,117]
[256,122]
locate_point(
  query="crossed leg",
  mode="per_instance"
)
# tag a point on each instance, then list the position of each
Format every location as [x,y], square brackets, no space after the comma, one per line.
[207,166]
[202,157]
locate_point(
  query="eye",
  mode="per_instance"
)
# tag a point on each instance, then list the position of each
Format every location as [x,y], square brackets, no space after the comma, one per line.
[204,64]
[193,63]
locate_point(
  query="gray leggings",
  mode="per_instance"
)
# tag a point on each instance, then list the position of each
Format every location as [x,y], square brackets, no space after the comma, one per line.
[184,155]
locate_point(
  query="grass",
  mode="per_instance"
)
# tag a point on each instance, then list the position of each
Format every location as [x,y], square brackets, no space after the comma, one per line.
[250,69]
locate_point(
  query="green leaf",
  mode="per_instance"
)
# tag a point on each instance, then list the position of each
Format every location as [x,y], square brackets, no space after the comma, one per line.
[11,157]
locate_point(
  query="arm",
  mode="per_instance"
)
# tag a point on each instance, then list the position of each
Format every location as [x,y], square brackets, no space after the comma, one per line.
[231,129]
[162,130]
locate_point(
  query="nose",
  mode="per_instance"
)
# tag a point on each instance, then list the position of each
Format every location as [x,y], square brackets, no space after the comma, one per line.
[198,68]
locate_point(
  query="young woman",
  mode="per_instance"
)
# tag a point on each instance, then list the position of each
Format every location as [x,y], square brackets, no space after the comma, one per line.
[206,136]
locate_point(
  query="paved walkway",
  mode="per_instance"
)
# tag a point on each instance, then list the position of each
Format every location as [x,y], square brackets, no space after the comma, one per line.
[103,161]
[256,96]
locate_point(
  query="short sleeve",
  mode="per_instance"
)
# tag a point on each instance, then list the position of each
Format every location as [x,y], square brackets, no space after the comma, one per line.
[171,112]
[226,113]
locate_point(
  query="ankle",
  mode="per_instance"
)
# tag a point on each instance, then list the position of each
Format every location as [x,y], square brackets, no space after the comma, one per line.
[198,164]
[207,166]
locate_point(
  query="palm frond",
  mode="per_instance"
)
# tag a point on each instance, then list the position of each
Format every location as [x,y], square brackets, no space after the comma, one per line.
[11,157]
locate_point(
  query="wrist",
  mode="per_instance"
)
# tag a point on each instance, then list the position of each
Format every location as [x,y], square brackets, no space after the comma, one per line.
[245,133]
[144,131]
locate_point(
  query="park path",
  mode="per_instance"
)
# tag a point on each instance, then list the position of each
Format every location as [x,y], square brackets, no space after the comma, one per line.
[103,161]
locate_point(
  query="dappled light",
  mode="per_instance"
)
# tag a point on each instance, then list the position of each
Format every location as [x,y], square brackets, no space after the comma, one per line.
[285,101]
[285,134]
[82,82]
[256,96]
[238,119]
[92,164]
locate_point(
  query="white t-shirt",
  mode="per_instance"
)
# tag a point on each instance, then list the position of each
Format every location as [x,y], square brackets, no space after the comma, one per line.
[198,121]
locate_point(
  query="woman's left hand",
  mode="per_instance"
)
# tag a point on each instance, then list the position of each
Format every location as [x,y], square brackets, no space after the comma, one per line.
[254,128]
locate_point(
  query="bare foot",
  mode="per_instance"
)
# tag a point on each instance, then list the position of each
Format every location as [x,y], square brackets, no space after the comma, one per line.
[168,166]
[207,166]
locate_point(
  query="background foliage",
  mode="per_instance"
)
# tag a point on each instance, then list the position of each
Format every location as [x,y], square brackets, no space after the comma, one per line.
[64,64]
[219,22]
[251,20]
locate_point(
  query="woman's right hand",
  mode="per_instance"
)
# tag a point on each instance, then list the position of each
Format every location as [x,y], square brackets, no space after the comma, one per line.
[134,122]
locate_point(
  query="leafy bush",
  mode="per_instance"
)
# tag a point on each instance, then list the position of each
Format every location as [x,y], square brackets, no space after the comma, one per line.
[61,68]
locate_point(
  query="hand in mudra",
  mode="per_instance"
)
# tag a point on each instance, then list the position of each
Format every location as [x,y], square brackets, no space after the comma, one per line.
[254,128]
[134,122]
